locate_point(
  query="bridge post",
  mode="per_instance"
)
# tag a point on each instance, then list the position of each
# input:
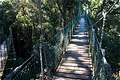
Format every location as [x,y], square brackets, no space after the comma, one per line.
[104,13]
[40,46]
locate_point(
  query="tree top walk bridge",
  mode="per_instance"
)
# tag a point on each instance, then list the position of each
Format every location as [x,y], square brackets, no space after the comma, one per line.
[74,54]
[76,63]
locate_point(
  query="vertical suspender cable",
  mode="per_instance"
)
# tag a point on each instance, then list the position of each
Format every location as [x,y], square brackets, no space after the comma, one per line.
[40,47]
[103,26]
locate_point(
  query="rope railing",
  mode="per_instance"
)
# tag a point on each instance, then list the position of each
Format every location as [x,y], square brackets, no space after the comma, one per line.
[101,69]
[51,53]
[4,48]
[17,70]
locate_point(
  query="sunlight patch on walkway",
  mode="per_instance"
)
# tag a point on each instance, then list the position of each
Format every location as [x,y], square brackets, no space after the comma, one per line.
[76,64]
[82,71]
[79,40]
[80,36]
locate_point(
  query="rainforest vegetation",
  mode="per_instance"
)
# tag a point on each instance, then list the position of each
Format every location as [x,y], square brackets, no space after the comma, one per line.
[28,22]
[111,38]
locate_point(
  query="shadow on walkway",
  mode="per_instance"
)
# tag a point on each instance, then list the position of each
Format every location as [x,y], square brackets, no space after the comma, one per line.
[76,64]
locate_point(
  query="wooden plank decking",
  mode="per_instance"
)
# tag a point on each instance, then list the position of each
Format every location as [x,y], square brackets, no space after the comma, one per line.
[76,64]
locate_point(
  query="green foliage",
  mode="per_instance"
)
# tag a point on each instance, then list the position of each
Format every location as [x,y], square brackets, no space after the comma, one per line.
[94,6]
[7,17]
[25,14]
[111,39]
[56,14]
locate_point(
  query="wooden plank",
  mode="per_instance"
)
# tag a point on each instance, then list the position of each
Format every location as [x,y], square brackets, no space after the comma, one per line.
[76,63]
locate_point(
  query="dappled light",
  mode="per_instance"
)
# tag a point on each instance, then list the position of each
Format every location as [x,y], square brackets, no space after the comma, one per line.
[59,39]
[76,60]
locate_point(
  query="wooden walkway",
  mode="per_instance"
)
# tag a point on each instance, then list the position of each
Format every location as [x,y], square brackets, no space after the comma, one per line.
[76,64]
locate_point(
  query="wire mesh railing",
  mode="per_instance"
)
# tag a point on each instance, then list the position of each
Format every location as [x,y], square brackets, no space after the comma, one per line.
[3,55]
[101,69]
[4,48]
[52,52]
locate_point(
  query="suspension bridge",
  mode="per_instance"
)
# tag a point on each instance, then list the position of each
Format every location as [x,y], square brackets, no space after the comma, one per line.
[75,55]
[76,63]
[72,51]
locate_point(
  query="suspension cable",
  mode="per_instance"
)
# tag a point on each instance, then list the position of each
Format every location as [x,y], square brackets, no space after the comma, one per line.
[104,13]
[110,10]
